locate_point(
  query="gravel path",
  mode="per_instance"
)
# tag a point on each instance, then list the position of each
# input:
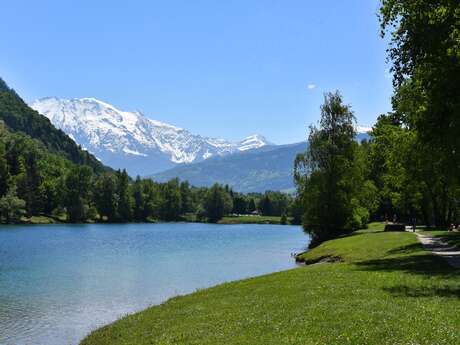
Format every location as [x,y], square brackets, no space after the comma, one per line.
[440,247]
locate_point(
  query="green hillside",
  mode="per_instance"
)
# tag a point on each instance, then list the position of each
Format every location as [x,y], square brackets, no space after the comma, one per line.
[19,117]
[268,168]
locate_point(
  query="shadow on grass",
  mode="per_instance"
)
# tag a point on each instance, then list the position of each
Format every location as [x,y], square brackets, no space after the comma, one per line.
[410,248]
[422,264]
[407,291]
[361,233]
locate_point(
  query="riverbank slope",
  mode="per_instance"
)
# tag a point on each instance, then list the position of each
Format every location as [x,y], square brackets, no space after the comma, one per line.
[377,288]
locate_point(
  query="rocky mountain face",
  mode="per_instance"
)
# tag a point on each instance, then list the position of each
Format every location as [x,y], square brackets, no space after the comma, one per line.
[123,139]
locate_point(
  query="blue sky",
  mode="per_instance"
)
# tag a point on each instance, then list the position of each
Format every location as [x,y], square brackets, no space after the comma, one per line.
[218,68]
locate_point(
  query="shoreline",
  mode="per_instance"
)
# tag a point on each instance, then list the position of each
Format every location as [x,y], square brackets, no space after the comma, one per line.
[227,220]
[370,270]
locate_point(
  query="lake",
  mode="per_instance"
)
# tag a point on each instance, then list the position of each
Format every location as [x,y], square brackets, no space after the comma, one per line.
[59,282]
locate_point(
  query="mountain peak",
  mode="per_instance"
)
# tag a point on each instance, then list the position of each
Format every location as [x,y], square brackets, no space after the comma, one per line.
[124,139]
[363,129]
[253,141]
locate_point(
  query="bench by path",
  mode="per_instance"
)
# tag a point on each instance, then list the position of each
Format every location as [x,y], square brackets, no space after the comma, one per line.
[440,247]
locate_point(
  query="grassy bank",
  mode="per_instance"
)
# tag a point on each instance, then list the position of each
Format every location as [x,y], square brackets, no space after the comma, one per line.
[42,220]
[383,288]
[244,219]
[251,220]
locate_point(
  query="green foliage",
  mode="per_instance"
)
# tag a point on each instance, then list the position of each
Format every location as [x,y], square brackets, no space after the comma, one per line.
[77,193]
[283,220]
[11,207]
[186,198]
[273,203]
[19,117]
[218,202]
[170,204]
[251,205]
[4,174]
[425,52]
[410,175]
[240,204]
[105,196]
[296,210]
[125,200]
[331,175]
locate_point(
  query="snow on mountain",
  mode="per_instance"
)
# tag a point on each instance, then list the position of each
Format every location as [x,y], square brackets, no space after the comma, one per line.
[130,140]
[363,129]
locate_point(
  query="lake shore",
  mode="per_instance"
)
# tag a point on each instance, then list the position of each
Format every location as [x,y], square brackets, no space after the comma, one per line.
[242,219]
[81,277]
[365,296]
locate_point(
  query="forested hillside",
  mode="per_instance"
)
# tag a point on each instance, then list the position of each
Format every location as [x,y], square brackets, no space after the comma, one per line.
[19,117]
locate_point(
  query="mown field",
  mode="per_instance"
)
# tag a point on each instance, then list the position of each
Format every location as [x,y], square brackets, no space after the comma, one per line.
[249,219]
[379,288]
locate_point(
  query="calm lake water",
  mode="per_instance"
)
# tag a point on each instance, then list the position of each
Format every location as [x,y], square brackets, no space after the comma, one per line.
[59,282]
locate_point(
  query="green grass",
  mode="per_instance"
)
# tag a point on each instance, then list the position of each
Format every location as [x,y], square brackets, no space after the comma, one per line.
[246,219]
[385,290]
[39,220]
[249,219]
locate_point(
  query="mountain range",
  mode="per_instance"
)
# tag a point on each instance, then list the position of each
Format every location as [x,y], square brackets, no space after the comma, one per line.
[266,168]
[130,140]
[146,147]
[258,170]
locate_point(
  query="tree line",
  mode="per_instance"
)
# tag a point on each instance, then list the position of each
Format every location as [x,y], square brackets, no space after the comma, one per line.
[408,170]
[35,182]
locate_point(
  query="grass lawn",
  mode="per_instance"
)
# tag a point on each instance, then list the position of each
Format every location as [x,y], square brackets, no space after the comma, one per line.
[384,290]
[249,219]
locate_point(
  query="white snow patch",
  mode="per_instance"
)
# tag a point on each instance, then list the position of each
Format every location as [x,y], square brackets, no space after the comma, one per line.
[132,152]
[100,126]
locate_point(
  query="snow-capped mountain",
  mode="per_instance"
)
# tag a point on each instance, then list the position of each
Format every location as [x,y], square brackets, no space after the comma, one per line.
[130,140]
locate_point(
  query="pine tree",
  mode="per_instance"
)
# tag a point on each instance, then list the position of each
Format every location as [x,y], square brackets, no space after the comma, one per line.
[77,192]
[266,205]
[105,197]
[34,191]
[170,208]
[217,203]
[185,194]
[138,200]
[125,203]
[251,205]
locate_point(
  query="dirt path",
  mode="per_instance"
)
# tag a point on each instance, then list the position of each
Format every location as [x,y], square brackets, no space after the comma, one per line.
[440,247]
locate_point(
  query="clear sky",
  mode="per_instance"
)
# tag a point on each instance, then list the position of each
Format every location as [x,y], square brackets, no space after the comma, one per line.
[217,68]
